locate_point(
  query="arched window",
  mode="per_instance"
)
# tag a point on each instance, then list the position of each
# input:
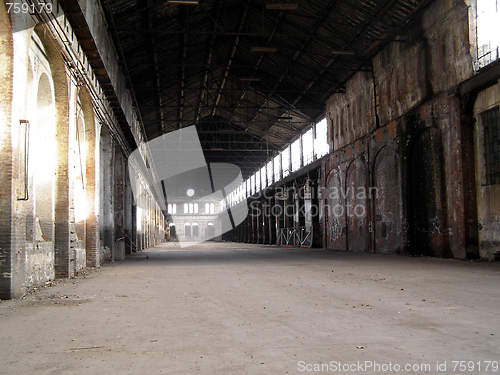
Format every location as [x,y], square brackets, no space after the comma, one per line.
[207,208]
[191,208]
[174,208]
[195,229]
[169,208]
[212,208]
[195,206]
[186,208]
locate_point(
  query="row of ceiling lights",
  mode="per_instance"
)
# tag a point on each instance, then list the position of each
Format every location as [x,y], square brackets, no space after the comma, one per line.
[260,49]
[268,6]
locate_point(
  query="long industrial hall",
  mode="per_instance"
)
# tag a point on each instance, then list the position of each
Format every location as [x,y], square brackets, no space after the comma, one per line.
[250,186]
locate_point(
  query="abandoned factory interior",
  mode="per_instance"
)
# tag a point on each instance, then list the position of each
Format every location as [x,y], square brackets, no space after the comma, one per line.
[349,126]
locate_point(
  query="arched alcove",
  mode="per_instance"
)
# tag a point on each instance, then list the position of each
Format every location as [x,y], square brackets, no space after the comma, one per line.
[336,238]
[210,230]
[60,146]
[187,230]
[388,202]
[82,161]
[40,250]
[195,230]
[43,161]
[106,225]
[173,233]
[428,216]
[356,211]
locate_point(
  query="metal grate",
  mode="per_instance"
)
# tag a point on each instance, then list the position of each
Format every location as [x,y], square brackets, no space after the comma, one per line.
[491,126]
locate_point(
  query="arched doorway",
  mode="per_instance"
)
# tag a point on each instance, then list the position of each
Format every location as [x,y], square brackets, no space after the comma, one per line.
[388,205]
[336,238]
[187,230]
[173,234]
[357,207]
[195,230]
[44,162]
[428,223]
[40,256]
[48,60]
[210,231]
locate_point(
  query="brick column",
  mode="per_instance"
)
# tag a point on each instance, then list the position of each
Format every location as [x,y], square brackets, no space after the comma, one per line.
[63,256]
[11,267]
[91,224]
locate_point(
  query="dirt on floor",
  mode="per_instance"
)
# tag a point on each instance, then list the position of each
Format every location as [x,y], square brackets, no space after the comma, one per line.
[224,308]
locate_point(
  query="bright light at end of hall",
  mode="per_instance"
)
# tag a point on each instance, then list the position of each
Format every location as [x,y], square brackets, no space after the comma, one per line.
[190,192]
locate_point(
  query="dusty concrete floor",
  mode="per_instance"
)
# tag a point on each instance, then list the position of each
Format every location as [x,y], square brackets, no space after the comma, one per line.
[248,309]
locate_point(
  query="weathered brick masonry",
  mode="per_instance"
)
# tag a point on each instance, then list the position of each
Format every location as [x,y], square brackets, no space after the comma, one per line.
[406,173]
[54,120]
[403,131]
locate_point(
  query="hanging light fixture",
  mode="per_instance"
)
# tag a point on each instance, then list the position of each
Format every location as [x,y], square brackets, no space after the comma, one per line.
[250,79]
[263,49]
[281,6]
[183,2]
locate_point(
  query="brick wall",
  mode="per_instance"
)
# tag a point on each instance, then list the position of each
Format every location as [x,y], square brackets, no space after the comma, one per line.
[400,130]
[10,267]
